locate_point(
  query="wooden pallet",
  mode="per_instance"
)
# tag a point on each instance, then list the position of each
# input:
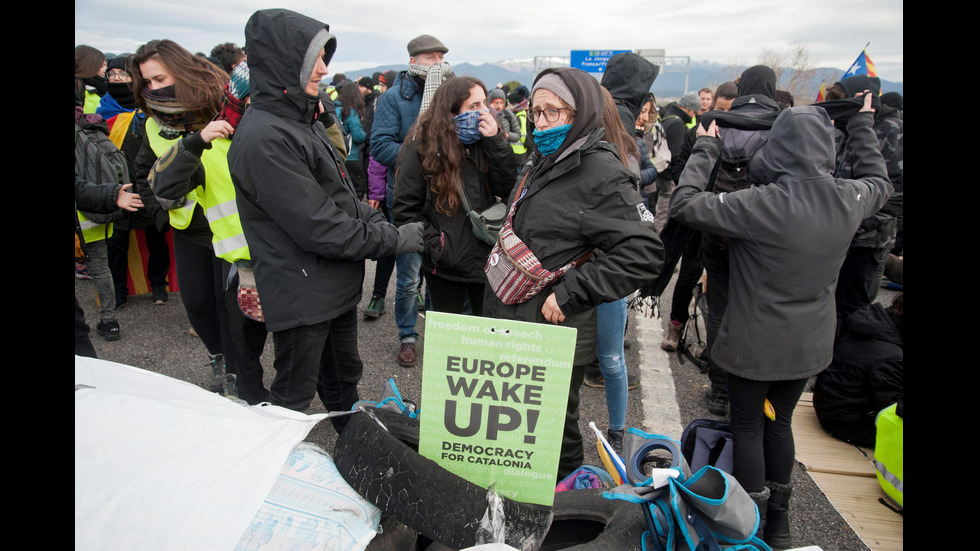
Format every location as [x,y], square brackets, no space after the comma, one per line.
[846,475]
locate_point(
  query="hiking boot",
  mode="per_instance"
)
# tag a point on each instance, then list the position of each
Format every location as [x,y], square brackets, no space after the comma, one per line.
[109,330]
[406,355]
[673,337]
[615,438]
[217,365]
[777,515]
[597,381]
[375,308]
[717,405]
[160,295]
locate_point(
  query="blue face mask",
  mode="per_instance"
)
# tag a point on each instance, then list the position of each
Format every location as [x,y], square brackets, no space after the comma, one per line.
[468,126]
[548,141]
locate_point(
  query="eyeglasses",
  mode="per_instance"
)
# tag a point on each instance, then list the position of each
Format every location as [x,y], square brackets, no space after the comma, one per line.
[122,75]
[550,115]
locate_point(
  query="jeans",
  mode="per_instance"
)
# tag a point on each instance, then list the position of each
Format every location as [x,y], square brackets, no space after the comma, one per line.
[611,327]
[763,450]
[97,262]
[306,363]
[407,280]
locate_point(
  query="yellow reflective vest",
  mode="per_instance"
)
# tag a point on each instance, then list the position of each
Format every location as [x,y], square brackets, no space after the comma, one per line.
[216,197]
[890,453]
[519,147]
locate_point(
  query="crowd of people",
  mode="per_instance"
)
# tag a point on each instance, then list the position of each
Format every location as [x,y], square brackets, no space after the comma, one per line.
[275,187]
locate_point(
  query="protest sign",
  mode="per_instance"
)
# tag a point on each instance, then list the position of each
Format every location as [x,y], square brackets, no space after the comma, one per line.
[494,395]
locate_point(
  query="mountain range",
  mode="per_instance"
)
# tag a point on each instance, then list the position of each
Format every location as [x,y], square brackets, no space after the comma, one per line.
[670,83]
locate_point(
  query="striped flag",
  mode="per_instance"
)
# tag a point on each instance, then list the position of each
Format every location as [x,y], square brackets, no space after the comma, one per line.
[861,66]
[822,93]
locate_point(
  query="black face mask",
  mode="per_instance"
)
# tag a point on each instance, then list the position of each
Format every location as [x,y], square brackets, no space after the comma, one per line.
[122,93]
[100,84]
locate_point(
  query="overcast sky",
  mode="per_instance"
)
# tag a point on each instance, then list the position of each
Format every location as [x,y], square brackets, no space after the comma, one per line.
[376,32]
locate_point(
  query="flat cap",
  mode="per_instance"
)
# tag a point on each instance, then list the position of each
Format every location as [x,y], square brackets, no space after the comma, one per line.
[425,43]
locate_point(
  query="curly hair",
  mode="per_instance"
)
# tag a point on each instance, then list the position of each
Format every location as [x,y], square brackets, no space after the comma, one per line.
[199,84]
[439,146]
[228,54]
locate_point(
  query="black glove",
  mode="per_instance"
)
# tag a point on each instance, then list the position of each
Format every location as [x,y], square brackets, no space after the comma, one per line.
[409,238]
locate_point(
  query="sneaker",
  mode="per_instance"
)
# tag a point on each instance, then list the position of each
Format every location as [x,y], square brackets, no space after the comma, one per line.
[216,364]
[159,295]
[375,308]
[406,355]
[615,438]
[673,337]
[717,405]
[109,330]
[81,271]
[595,382]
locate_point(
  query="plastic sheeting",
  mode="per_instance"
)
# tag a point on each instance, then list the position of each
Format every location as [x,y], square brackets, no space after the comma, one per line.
[163,464]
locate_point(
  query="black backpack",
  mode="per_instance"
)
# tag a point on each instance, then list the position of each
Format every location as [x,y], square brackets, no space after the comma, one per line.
[99,161]
[738,149]
[708,442]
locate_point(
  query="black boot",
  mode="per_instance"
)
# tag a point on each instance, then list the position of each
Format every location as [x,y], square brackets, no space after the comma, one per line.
[761,500]
[777,517]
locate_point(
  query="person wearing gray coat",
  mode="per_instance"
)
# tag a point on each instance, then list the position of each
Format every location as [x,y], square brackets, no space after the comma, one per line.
[788,240]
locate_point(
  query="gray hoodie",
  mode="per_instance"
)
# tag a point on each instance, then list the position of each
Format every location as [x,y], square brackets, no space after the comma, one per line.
[788,240]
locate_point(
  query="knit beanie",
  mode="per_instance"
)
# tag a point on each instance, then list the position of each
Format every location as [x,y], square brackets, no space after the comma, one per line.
[497,93]
[554,84]
[238,86]
[118,62]
[365,82]
[691,101]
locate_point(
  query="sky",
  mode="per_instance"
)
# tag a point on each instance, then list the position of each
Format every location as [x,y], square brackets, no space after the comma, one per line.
[376,32]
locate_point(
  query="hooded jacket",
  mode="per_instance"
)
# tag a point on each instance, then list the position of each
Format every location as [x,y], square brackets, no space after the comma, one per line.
[788,239]
[582,198]
[307,232]
[628,77]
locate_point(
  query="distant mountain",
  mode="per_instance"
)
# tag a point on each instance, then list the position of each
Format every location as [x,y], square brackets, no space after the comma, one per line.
[669,84]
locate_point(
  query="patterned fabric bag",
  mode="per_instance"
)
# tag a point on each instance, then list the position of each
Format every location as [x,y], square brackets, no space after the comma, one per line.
[515,274]
[248,295]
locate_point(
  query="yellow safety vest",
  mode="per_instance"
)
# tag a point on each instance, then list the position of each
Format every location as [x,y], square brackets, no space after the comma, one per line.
[890,453]
[217,197]
[92,101]
[519,147]
[92,231]
[180,218]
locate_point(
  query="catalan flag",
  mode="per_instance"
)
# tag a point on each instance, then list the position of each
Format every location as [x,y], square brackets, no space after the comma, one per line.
[821,95]
[861,66]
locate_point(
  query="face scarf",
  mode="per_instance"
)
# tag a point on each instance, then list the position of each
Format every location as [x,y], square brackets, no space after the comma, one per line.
[548,141]
[468,126]
[165,108]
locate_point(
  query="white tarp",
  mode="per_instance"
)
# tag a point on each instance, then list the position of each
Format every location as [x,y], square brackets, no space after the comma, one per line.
[163,464]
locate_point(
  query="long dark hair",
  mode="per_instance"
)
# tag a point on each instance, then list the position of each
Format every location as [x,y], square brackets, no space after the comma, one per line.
[199,85]
[350,97]
[439,146]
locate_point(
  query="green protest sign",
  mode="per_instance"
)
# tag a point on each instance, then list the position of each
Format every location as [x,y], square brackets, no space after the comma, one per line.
[494,395]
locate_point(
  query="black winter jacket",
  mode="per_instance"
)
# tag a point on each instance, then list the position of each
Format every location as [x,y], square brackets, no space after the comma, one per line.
[866,375]
[308,234]
[451,250]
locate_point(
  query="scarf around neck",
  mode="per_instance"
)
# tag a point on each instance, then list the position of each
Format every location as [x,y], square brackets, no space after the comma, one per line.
[170,113]
[433,75]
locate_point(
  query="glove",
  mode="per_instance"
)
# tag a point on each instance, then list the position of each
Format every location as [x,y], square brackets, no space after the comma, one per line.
[409,238]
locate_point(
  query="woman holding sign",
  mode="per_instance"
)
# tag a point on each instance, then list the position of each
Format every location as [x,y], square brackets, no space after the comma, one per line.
[455,160]
[577,229]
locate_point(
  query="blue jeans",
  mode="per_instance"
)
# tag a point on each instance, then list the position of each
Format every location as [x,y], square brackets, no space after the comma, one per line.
[610,330]
[407,268]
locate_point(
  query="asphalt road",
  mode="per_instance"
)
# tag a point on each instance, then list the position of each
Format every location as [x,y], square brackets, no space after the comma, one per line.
[156,338]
